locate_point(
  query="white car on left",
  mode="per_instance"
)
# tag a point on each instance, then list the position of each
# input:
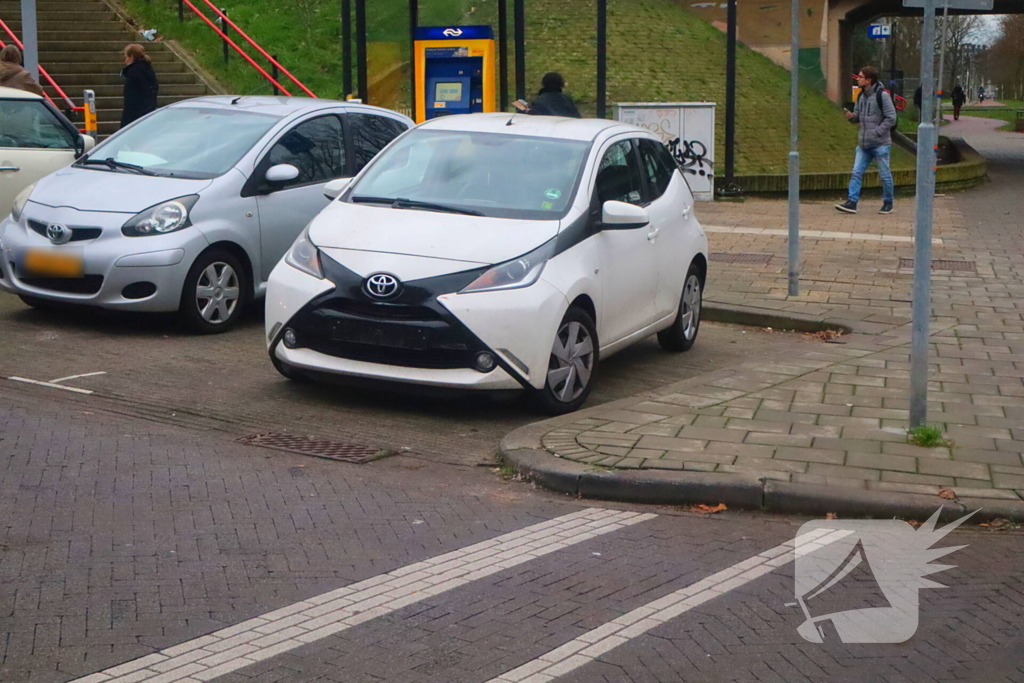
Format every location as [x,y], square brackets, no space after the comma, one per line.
[35,140]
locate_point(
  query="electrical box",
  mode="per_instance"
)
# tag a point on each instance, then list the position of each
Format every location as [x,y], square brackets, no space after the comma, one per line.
[455,71]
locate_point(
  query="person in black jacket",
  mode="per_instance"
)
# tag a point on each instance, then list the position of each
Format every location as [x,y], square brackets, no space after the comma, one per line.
[551,101]
[140,85]
[959,97]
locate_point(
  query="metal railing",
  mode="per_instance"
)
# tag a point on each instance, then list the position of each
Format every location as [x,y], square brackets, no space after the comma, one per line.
[226,23]
[69,106]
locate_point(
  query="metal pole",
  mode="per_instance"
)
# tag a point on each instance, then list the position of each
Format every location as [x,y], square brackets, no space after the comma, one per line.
[730,96]
[923,225]
[181,10]
[892,55]
[29,37]
[274,74]
[346,48]
[520,38]
[414,21]
[361,77]
[503,53]
[794,150]
[224,28]
[602,57]
[942,62]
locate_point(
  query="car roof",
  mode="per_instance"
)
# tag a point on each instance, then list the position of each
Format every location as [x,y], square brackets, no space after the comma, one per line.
[275,106]
[536,126]
[16,94]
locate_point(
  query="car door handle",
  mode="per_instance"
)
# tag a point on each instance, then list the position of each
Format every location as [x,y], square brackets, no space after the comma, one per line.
[10,168]
[653,234]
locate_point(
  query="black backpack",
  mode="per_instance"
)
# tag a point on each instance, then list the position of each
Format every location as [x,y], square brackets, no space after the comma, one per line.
[878,101]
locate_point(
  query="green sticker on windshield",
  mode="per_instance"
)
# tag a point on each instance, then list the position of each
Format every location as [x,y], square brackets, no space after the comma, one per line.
[547,205]
[553,193]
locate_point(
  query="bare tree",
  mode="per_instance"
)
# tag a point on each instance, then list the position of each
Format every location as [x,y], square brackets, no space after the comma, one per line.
[961,32]
[1003,62]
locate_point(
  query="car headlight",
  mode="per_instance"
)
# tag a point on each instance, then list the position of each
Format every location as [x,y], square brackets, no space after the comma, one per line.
[161,219]
[305,256]
[20,201]
[519,272]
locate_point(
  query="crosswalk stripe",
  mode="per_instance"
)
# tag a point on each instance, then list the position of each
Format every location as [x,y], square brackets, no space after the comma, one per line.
[594,643]
[267,635]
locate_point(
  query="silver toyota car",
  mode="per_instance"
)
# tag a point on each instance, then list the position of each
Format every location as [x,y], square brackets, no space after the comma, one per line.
[189,208]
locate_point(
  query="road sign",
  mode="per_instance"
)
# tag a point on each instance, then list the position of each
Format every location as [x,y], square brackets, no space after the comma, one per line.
[879,30]
[981,5]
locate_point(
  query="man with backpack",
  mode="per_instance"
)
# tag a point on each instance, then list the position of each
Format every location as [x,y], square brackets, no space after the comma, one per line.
[876,114]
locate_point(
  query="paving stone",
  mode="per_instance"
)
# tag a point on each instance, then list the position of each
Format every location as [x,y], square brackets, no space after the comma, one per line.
[648,442]
[911,478]
[820,455]
[881,461]
[843,472]
[950,468]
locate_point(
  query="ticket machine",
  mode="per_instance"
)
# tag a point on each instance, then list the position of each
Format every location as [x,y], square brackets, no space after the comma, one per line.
[455,71]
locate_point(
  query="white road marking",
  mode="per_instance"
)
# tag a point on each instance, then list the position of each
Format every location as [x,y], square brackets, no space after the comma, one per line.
[49,384]
[304,622]
[87,374]
[596,642]
[816,234]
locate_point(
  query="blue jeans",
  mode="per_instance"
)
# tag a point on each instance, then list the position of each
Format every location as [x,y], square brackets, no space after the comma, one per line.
[864,156]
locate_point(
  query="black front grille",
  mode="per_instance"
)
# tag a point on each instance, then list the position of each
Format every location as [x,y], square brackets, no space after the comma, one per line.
[78,233]
[89,284]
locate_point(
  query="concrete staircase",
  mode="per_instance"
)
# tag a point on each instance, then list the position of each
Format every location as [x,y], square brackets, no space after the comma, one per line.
[80,45]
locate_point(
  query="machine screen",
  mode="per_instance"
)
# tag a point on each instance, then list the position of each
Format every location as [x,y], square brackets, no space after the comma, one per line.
[448,92]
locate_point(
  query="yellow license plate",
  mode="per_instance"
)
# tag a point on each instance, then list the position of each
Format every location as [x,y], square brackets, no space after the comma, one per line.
[42,263]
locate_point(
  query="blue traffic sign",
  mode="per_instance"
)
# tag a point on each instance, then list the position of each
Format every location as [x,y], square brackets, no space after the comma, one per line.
[879,30]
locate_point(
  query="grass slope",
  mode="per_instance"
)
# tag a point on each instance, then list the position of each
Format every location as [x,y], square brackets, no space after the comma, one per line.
[1008,112]
[658,51]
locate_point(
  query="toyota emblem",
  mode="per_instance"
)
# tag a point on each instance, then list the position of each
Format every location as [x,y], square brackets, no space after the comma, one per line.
[382,286]
[58,234]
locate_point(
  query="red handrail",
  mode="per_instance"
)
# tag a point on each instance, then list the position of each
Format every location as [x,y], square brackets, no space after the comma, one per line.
[242,52]
[233,25]
[42,72]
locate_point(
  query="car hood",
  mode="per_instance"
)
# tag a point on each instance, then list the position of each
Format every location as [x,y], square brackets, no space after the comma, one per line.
[472,240]
[113,192]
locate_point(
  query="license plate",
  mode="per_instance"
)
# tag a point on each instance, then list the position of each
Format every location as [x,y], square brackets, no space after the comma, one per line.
[48,263]
[379,335]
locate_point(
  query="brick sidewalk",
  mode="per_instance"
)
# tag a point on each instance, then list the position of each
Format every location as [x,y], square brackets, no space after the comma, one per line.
[837,417]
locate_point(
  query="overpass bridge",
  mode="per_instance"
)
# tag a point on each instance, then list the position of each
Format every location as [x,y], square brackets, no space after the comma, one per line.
[827,28]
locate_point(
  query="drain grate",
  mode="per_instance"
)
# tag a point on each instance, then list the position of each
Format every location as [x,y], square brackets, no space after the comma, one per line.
[943,264]
[730,257]
[318,448]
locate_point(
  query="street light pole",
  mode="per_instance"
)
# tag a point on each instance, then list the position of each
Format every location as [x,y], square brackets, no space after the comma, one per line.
[794,150]
[730,97]
[29,37]
[926,134]
[942,62]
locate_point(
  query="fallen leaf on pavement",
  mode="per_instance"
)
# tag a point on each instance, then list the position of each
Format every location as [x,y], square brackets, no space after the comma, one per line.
[948,494]
[914,523]
[830,515]
[705,509]
[824,335]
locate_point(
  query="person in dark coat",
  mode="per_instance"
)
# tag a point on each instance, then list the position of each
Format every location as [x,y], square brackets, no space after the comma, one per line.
[140,85]
[917,101]
[13,75]
[551,101]
[959,97]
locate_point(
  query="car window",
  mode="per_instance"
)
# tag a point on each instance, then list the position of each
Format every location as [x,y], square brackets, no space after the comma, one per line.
[371,134]
[28,124]
[654,165]
[618,176]
[315,147]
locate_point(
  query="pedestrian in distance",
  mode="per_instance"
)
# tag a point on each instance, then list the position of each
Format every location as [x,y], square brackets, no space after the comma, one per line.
[917,101]
[959,97]
[551,100]
[13,74]
[876,115]
[981,95]
[140,85]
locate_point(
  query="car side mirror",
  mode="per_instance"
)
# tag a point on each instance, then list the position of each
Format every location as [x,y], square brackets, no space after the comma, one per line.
[333,189]
[622,216]
[83,144]
[281,173]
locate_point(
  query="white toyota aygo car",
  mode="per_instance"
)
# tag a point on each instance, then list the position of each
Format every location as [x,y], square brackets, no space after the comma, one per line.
[480,252]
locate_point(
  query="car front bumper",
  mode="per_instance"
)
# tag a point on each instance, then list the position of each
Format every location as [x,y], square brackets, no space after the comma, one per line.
[155,265]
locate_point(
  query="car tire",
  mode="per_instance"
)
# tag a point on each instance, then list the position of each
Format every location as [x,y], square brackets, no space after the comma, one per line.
[572,365]
[219,276]
[39,303]
[683,332]
[287,371]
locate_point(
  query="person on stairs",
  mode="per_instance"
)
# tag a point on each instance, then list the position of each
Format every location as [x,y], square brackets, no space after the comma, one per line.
[13,75]
[140,85]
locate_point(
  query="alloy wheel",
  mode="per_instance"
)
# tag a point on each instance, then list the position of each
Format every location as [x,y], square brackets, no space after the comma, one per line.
[690,307]
[217,293]
[572,362]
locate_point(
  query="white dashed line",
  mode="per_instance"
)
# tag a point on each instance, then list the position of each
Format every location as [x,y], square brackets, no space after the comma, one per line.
[596,642]
[49,384]
[290,627]
[86,374]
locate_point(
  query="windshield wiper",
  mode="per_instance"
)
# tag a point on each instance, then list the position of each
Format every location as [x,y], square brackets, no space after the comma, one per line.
[114,164]
[400,202]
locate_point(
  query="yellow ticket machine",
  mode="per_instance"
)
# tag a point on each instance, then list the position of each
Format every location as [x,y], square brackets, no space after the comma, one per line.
[455,72]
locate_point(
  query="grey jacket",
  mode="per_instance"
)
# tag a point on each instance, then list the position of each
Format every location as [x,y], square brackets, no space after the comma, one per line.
[875,125]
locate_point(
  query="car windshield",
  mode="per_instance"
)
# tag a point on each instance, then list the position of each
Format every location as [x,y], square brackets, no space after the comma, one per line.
[496,175]
[185,142]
